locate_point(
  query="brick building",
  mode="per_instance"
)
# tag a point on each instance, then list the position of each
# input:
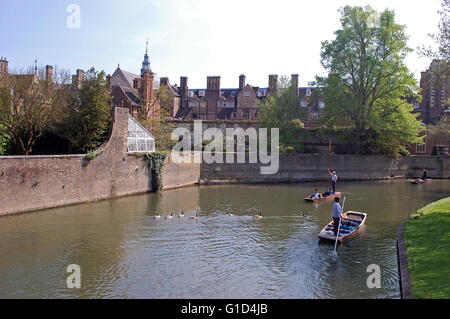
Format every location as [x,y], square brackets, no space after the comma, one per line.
[434,105]
[137,93]
[235,104]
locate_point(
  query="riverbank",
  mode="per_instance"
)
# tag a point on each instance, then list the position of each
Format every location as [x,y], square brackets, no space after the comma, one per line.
[427,244]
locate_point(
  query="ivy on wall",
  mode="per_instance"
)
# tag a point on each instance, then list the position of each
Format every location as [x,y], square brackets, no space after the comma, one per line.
[155,162]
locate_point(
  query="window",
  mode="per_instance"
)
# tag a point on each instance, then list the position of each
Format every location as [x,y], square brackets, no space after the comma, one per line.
[246,93]
[315,116]
[308,92]
[303,103]
[321,104]
[246,114]
[139,139]
[416,105]
[201,93]
[202,104]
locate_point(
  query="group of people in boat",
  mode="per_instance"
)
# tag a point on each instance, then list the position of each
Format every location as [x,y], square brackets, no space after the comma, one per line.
[330,191]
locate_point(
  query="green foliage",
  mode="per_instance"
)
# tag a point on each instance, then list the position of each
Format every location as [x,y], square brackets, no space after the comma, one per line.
[155,162]
[4,141]
[89,114]
[369,83]
[282,110]
[92,155]
[427,248]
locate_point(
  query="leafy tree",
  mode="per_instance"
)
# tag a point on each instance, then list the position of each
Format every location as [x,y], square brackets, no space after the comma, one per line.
[281,109]
[368,83]
[439,133]
[4,141]
[29,105]
[88,113]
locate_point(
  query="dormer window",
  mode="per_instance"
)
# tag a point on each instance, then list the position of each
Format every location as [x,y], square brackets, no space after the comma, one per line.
[308,92]
[246,93]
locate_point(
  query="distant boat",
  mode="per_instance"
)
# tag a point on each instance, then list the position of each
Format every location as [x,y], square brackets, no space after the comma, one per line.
[420,181]
[351,225]
[310,199]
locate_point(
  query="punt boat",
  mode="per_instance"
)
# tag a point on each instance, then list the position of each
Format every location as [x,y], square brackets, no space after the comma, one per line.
[310,199]
[351,226]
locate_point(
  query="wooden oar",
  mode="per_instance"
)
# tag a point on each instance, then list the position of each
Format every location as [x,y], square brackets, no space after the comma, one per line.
[339,228]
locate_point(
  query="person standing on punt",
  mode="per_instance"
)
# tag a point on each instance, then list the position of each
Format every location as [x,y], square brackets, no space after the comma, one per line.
[333,180]
[337,213]
[424,175]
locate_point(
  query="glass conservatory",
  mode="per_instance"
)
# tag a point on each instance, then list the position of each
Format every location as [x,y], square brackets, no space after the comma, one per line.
[139,139]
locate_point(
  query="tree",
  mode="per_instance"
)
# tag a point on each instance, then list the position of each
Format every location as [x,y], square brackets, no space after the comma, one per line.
[369,84]
[281,109]
[88,113]
[29,105]
[439,133]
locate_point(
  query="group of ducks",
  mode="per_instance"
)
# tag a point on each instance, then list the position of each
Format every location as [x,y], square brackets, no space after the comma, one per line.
[195,217]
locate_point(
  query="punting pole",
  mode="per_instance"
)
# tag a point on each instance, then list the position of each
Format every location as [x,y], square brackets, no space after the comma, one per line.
[339,228]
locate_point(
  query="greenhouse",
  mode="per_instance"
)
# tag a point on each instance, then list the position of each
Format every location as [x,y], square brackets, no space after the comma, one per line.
[139,139]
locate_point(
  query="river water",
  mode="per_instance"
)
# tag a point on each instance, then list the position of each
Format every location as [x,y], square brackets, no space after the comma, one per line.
[123,252]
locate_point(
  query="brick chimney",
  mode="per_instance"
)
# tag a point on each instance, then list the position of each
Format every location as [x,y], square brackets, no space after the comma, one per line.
[164,81]
[273,81]
[49,73]
[241,81]
[3,65]
[213,83]
[184,91]
[109,82]
[294,80]
[78,78]
[147,85]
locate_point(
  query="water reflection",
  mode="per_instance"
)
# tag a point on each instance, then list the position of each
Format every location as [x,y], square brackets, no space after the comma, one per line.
[125,253]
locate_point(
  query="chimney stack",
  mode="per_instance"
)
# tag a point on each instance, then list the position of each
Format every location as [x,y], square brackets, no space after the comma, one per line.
[164,81]
[241,81]
[79,78]
[294,80]
[3,65]
[184,91]
[109,82]
[213,83]
[49,73]
[273,81]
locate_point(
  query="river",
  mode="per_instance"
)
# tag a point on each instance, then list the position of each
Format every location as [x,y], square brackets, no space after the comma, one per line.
[123,252]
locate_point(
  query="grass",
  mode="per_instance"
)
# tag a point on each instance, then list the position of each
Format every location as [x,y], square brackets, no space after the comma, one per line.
[428,250]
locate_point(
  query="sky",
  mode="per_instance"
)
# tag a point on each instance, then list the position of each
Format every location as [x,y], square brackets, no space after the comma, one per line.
[194,38]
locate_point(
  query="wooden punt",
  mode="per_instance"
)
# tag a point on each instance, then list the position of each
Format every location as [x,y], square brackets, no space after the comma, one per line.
[354,219]
[310,199]
[420,181]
